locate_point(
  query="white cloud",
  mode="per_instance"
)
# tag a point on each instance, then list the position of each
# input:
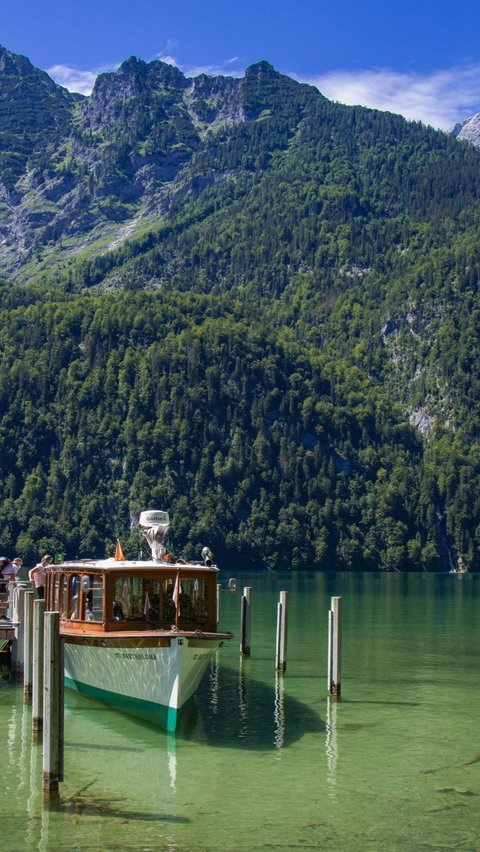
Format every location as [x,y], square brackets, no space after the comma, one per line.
[227,68]
[168,58]
[76,80]
[441,98]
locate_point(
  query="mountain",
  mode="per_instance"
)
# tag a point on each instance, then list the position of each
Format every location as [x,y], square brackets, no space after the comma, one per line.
[81,174]
[469,130]
[242,302]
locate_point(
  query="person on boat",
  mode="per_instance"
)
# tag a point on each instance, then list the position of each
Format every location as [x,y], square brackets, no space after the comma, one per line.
[8,573]
[9,568]
[4,563]
[89,616]
[12,569]
[36,575]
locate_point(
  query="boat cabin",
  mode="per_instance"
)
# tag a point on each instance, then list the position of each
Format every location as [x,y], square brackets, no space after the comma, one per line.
[108,596]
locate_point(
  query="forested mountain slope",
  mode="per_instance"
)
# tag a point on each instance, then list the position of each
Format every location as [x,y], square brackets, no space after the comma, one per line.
[244,303]
[271,455]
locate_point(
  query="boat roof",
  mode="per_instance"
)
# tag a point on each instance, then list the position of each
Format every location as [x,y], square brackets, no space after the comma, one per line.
[127,565]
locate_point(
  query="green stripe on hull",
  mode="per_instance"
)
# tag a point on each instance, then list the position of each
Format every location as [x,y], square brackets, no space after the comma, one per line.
[156,714]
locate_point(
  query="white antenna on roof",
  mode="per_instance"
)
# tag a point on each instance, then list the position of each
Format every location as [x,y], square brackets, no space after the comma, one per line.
[155,523]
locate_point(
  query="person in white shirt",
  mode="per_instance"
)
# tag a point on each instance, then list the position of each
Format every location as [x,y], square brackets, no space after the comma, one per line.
[36,575]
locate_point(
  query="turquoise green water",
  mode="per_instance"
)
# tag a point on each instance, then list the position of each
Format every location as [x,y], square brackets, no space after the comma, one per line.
[261,762]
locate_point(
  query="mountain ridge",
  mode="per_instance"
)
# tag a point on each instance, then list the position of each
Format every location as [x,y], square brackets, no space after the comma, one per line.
[116,151]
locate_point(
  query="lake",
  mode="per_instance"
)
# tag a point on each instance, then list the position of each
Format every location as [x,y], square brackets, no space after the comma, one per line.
[261,761]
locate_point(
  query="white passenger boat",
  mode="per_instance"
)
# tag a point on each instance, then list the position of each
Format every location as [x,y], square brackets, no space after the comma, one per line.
[138,635]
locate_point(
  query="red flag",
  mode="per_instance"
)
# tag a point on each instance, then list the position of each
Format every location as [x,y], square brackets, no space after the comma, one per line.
[119,557]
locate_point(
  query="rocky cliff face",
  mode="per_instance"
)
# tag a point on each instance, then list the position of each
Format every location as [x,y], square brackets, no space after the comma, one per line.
[33,111]
[77,172]
[468,129]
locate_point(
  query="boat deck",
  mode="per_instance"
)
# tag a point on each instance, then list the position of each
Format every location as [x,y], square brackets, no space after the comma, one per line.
[160,632]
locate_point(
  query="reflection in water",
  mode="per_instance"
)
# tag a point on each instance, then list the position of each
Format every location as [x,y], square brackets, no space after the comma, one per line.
[279,712]
[249,714]
[214,683]
[331,746]
[44,844]
[11,736]
[33,769]
[242,704]
[172,761]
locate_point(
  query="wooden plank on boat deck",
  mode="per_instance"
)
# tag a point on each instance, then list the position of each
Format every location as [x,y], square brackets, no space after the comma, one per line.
[135,634]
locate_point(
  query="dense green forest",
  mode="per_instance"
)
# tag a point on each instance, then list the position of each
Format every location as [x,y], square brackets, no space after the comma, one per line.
[270,454]
[242,303]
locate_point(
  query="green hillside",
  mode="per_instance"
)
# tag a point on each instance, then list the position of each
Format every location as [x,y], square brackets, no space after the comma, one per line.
[269,454]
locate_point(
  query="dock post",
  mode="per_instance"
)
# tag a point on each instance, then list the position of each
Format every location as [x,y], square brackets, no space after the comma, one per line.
[53,705]
[27,646]
[282,628]
[18,615]
[11,599]
[219,590]
[335,647]
[246,621]
[37,669]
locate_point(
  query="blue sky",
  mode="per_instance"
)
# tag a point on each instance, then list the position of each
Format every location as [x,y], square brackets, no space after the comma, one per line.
[421,59]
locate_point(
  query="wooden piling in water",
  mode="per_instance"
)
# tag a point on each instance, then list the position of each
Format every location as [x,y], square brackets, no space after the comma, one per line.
[28,644]
[335,647]
[219,590]
[19,610]
[53,704]
[282,627]
[37,667]
[246,621]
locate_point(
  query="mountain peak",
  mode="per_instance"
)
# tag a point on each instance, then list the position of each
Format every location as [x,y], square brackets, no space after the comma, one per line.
[468,130]
[262,67]
[132,64]
[136,72]
[13,64]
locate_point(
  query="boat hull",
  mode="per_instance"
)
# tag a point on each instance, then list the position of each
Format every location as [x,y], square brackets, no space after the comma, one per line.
[151,678]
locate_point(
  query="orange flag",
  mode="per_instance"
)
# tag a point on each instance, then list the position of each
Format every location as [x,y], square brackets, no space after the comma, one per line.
[119,557]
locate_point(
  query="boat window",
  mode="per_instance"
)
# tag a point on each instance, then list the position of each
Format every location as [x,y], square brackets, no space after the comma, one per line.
[190,595]
[74,597]
[54,591]
[136,598]
[62,595]
[193,601]
[146,599]
[92,596]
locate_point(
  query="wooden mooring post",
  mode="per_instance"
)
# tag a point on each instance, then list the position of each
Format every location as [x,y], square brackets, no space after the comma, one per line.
[219,591]
[53,704]
[335,647]
[37,668]
[27,644]
[246,621]
[19,642]
[282,627]
[11,600]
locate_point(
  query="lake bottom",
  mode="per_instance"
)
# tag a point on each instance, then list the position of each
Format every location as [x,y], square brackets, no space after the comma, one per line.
[261,761]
